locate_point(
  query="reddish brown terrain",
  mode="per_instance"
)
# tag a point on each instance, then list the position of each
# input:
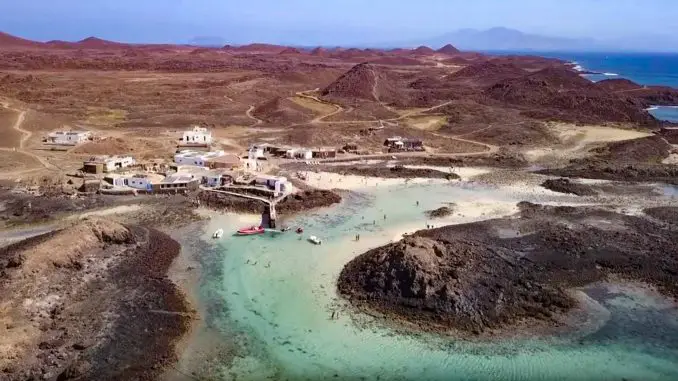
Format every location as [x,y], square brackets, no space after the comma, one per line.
[451,108]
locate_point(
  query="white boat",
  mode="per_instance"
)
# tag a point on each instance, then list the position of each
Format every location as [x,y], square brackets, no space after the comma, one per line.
[218,234]
[315,240]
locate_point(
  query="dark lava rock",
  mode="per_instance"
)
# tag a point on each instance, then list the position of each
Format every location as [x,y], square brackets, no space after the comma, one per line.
[475,276]
[664,213]
[629,160]
[307,200]
[456,284]
[440,212]
[567,186]
[396,172]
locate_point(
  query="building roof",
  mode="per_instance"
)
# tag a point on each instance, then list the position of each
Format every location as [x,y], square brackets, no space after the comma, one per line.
[178,178]
[106,158]
[199,155]
[59,133]
[228,158]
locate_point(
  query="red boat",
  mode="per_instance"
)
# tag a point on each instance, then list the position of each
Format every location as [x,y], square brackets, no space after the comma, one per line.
[252,230]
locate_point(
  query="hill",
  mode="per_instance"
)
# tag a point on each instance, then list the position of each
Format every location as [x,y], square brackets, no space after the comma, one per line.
[10,41]
[618,84]
[645,95]
[448,49]
[556,93]
[291,51]
[364,81]
[487,72]
[98,43]
[282,111]
[423,50]
[261,48]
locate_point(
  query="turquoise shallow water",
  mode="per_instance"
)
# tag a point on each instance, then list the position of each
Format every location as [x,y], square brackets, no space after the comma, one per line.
[276,310]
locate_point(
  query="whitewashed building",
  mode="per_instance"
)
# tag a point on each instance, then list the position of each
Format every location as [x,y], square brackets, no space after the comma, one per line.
[303,154]
[195,158]
[68,138]
[198,136]
[101,164]
[278,183]
[139,182]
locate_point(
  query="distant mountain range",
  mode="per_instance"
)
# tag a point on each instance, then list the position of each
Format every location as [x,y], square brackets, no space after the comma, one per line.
[515,40]
[507,39]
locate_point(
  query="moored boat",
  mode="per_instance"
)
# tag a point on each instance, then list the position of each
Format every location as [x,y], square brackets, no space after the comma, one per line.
[251,230]
[315,240]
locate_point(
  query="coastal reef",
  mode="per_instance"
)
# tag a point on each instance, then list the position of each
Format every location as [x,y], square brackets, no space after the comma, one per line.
[496,274]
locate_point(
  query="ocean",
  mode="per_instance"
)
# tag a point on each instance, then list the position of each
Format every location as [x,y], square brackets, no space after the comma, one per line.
[643,68]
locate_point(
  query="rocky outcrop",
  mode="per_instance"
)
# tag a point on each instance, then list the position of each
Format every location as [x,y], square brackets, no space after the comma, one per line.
[78,304]
[498,273]
[647,95]
[441,212]
[454,284]
[307,200]
[636,160]
[568,186]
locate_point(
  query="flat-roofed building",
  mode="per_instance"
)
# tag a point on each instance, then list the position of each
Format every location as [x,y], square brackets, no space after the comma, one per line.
[105,163]
[195,158]
[68,138]
[198,136]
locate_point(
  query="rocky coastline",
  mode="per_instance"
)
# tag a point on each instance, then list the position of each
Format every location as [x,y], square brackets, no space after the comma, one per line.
[496,275]
[114,274]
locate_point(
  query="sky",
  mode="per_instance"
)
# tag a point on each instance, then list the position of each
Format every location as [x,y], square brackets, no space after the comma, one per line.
[328,22]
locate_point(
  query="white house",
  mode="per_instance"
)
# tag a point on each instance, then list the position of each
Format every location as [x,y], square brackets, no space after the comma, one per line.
[139,182]
[68,138]
[194,158]
[277,183]
[303,154]
[99,164]
[198,136]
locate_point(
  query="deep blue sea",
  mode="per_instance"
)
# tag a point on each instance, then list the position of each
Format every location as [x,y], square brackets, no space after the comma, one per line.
[642,68]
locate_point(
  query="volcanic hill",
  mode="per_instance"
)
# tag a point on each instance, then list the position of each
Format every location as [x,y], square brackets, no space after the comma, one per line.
[646,95]
[363,82]
[448,49]
[10,41]
[487,72]
[423,50]
[556,93]
[282,111]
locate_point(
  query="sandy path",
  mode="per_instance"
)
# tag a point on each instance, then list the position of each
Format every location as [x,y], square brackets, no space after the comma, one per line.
[24,138]
[319,119]
[257,121]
